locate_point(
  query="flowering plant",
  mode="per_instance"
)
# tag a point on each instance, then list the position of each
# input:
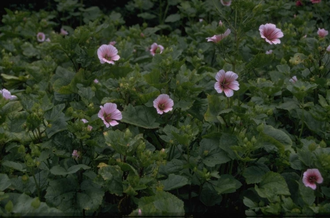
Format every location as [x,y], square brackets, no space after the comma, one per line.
[157,108]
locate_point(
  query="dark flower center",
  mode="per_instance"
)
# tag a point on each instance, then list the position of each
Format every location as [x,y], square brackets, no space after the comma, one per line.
[312,179]
[107,117]
[161,106]
[224,84]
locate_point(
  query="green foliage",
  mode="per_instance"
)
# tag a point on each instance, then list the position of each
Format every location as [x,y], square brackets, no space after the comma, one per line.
[209,155]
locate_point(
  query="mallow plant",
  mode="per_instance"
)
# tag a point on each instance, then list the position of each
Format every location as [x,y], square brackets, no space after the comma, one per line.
[171,108]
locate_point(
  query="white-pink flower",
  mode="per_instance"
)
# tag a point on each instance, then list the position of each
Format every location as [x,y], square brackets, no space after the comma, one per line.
[226,82]
[7,95]
[112,43]
[269,52]
[163,104]
[270,33]
[155,48]
[322,33]
[41,37]
[96,81]
[107,54]
[220,23]
[315,1]
[225,2]
[218,38]
[63,32]
[110,114]
[293,79]
[84,120]
[75,154]
[328,48]
[311,177]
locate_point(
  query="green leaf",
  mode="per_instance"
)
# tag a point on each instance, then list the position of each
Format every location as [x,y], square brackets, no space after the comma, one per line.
[209,196]
[254,174]
[172,18]
[213,109]
[277,137]
[213,154]
[140,116]
[271,185]
[161,204]
[226,184]
[27,206]
[174,181]
[58,170]
[91,196]
[61,80]
[4,182]
[112,179]
[14,165]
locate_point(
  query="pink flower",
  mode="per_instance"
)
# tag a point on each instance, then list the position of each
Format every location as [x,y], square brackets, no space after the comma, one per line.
[41,37]
[89,128]
[63,32]
[218,38]
[163,104]
[293,79]
[139,212]
[107,54]
[312,176]
[270,33]
[298,3]
[220,23]
[96,81]
[225,2]
[75,154]
[315,1]
[7,95]
[155,48]
[269,52]
[109,114]
[322,33]
[112,43]
[226,82]
[200,20]
[84,120]
[328,48]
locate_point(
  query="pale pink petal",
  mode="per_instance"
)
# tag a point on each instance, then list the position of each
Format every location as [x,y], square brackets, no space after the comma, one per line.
[229,92]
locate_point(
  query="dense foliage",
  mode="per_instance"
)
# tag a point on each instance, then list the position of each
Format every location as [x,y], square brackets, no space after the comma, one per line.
[207,108]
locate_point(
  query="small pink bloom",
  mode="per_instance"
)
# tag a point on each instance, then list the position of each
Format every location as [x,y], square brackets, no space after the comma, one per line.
[155,48]
[315,1]
[75,154]
[225,2]
[139,212]
[226,82]
[107,54]
[41,37]
[269,52]
[89,128]
[328,48]
[293,79]
[322,33]
[218,38]
[200,20]
[298,3]
[84,120]
[141,34]
[112,43]
[163,103]
[96,81]
[270,33]
[7,95]
[63,32]
[312,176]
[220,23]
[110,114]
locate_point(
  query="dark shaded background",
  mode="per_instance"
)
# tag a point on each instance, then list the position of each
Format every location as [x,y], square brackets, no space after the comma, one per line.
[49,5]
